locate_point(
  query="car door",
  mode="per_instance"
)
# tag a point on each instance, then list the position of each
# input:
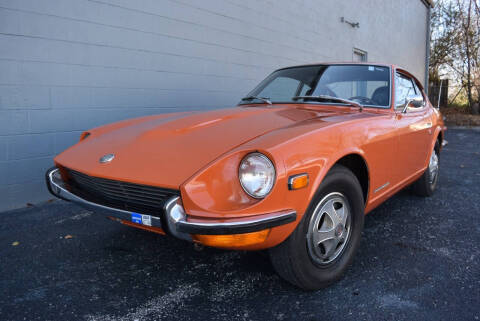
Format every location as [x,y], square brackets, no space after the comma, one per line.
[413,128]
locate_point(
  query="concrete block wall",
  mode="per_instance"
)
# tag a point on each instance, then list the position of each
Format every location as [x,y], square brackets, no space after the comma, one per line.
[69,65]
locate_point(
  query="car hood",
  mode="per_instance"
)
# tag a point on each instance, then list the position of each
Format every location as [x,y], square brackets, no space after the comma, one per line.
[166,150]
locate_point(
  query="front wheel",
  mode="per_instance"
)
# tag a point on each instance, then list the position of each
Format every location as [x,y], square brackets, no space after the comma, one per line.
[322,246]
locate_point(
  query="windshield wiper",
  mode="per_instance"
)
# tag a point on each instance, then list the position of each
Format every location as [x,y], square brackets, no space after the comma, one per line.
[264,99]
[326,97]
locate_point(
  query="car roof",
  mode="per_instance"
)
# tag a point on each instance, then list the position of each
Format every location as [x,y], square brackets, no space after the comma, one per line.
[342,63]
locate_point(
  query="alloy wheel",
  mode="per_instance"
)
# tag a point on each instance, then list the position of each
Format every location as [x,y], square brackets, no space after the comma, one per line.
[433,167]
[329,229]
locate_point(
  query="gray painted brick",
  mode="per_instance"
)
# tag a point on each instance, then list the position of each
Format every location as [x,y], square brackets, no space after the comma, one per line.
[30,146]
[41,121]
[3,148]
[10,73]
[13,122]
[9,23]
[24,97]
[12,47]
[27,170]
[71,97]
[65,140]
[3,173]
[85,32]
[36,191]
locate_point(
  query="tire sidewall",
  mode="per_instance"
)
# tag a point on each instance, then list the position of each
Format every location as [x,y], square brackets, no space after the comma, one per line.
[434,184]
[430,187]
[341,180]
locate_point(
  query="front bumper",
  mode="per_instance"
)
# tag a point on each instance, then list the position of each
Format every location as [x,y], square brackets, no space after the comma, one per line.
[176,221]
[57,187]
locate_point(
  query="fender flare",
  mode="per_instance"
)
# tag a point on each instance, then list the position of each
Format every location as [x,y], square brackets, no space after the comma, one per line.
[329,165]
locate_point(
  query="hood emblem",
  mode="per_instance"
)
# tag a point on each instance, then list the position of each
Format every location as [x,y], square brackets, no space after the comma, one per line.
[107,158]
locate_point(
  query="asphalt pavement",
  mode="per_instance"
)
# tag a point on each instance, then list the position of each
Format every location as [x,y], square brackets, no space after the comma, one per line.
[419,260]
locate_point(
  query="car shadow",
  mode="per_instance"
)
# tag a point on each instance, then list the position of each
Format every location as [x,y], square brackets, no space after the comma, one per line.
[168,261]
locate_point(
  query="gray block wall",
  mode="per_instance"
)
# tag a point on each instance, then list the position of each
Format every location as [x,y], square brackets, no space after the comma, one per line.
[69,65]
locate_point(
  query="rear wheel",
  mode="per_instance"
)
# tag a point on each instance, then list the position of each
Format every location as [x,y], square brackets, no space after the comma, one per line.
[322,246]
[426,184]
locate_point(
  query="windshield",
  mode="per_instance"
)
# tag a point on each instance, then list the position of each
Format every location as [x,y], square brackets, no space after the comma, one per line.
[368,85]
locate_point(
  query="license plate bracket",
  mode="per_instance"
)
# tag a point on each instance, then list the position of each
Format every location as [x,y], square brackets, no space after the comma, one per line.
[141,219]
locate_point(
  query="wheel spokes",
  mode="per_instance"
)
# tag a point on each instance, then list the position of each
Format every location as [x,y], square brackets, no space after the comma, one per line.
[433,166]
[332,247]
[321,236]
[330,229]
[331,211]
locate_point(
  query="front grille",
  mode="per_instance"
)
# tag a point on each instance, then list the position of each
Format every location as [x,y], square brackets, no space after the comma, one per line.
[121,195]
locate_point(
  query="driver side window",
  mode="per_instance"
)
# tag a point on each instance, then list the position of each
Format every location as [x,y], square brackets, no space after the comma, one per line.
[419,92]
[403,88]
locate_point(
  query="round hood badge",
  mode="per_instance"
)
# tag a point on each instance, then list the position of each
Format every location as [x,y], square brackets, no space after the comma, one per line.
[107,158]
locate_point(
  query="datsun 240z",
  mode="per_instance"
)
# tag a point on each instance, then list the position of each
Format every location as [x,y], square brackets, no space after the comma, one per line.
[293,168]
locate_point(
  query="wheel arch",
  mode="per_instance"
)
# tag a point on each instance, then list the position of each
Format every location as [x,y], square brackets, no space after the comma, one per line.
[439,139]
[356,163]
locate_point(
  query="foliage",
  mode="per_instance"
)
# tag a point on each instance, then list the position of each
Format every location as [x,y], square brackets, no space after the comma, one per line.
[455,45]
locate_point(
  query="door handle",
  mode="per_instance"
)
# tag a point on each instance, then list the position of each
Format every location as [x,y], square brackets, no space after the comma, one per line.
[429,127]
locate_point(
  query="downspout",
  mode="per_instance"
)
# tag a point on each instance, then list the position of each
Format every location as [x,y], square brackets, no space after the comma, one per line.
[427,49]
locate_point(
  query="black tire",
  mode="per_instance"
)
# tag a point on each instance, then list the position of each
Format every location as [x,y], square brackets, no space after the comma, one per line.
[425,186]
[292,259]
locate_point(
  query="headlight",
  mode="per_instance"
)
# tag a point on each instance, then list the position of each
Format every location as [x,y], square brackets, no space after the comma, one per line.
[257,175]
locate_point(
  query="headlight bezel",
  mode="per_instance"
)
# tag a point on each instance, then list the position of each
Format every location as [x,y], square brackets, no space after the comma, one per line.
[274,178]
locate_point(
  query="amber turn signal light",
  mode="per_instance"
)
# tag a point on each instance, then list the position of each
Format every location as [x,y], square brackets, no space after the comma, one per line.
[298,181]
[233,240]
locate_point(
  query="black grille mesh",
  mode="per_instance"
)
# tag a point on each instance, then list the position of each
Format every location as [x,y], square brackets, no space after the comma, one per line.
[121,195]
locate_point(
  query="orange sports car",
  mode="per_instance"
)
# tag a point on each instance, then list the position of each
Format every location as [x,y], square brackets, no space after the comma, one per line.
[293,168]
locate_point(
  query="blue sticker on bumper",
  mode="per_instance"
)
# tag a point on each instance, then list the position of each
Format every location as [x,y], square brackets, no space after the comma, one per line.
[137,218]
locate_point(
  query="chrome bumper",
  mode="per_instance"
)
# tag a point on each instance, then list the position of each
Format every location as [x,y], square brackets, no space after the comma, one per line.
[175,216]
[56,186]
[181,228]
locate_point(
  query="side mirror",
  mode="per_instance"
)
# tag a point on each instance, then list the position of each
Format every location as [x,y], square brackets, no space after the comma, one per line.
[415,101]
